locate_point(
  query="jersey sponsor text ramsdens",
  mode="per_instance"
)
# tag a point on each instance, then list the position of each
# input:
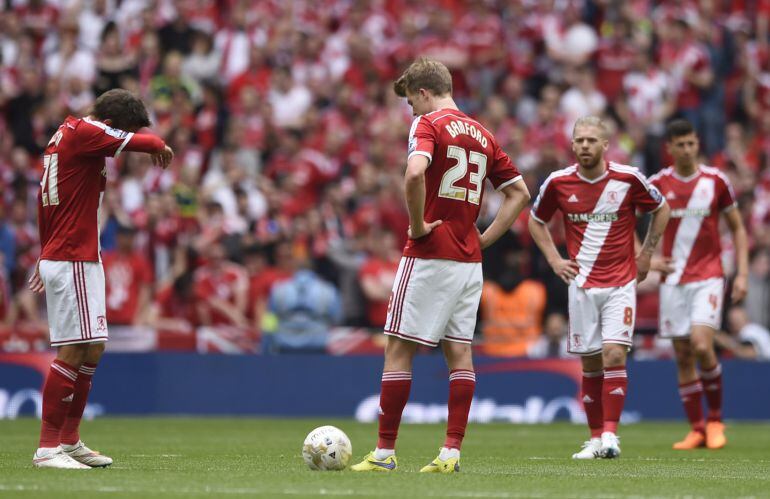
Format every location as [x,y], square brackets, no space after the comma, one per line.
[592,217]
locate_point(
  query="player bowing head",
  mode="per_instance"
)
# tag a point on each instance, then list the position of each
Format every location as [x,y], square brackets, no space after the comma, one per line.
[590,141]
[423,84]
[70,270]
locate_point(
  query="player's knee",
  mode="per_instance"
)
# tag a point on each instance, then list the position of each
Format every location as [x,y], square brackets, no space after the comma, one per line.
[702,350]
[95,351]
[685,356]
[614,355]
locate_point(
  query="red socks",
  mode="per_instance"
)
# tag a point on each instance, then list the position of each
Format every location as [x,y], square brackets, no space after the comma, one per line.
[712,387]
[69,431]
[592,401]
[394,394]
[614,391]
[462,383]
[58,394]
[692,394]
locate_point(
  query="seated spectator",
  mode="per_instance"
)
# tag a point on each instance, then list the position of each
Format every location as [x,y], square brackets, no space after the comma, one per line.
[305,307]
[745,340]
[511,307]
[553,342]
[377,275]
[221,289]
[128,279]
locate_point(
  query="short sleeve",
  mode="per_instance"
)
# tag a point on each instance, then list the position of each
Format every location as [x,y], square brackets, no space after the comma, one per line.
[97,139]
[546,202]
[726,195]
[645,196]
[422,138]
[503,171]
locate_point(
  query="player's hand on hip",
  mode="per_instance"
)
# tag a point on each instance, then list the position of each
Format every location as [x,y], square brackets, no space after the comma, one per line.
[663,265]
[566,269]
[643,263]
[427,228]
[740,287]
[35,282]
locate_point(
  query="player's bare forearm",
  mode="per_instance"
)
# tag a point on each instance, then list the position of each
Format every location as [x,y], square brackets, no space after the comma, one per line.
[565,269]
[516,198]
[414,191]
[655,231]
[741,243]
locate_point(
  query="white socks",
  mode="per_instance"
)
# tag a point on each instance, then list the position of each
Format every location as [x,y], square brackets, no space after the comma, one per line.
[382,454]
[448,453]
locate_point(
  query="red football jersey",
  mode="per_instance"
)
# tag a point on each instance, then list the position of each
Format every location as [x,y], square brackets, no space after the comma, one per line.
[691,238]
[124,276]
[599,219]
[222,285]
[462,153]
[73,182]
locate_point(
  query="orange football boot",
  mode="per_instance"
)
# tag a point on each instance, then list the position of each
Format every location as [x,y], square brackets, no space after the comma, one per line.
[692,440]
[715,435]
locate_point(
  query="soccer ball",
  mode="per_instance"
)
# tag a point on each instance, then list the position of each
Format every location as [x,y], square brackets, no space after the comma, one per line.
[327,448]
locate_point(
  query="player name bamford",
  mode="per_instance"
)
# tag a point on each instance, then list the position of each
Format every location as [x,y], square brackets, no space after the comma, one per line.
[690,212]
[592,217]
[457,127]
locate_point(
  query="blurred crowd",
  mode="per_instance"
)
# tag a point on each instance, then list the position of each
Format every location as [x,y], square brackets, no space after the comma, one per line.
[283,211]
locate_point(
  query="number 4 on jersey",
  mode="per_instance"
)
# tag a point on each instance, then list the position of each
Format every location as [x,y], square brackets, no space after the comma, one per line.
[448,188]
[50,180]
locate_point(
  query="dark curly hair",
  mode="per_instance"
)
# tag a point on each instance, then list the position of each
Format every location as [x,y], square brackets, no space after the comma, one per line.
[125,110]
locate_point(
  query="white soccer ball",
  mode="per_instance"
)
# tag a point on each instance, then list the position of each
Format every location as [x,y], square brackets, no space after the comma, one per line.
[327,448]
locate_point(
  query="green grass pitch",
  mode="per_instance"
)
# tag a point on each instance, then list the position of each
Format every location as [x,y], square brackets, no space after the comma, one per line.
[179,457]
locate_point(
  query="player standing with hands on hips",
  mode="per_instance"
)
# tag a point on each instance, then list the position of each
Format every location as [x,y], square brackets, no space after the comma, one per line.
[70,270]
[598,200]
[438,285]
[693,285]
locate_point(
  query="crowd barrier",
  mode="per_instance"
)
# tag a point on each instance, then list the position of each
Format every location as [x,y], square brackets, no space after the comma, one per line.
[510,390]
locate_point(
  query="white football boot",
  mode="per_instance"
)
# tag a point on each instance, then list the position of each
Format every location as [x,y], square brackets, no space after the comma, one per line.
[55,457]
[590,450]
[610,445]
[82,454]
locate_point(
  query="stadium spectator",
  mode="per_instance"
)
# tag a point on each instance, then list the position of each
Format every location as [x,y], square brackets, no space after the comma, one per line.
[512,305]
[221,288]
[128,281]
[377,275]
[305,307]
[552,344]
[745,339]
[758,296]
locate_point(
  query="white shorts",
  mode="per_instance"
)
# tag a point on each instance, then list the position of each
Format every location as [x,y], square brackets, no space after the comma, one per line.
[434,300]
[693,304]
[600,315]
[74,295]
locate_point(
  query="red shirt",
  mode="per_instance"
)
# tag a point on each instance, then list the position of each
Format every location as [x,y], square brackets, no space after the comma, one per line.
[599,219]
[125,275]
[222,284]
[385,271]
[691,238]
[73,182]
[462,153]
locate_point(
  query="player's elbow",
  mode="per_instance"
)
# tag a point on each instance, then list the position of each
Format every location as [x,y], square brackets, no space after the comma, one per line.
[414,175]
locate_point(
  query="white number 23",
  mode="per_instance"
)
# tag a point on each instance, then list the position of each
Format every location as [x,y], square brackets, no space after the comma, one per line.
[448,188]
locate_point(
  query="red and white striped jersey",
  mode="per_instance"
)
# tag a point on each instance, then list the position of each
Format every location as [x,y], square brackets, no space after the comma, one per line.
[599,219]
[462,153]
[691,238]
[73,181]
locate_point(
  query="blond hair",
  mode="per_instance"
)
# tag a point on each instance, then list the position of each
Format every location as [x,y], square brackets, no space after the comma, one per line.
[592,121]
[424,73]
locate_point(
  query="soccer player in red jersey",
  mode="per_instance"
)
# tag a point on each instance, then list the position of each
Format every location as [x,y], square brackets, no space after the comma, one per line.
[598,200]
[70,270]
[438,284]
[693,284]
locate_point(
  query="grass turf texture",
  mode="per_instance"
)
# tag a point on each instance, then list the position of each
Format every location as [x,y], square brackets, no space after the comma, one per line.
[178,457]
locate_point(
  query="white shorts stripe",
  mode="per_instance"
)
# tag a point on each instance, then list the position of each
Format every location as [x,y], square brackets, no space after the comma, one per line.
[85,299]
[81,314]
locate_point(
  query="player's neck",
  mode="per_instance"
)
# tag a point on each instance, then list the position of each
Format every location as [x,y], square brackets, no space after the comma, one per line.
[440,103]
[595,172]
[686,170]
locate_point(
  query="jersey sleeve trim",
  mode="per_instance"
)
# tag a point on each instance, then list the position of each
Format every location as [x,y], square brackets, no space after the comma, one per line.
[509,182]
[532,214]
[421,153]
[125,142]
[730,207]
[662,202]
